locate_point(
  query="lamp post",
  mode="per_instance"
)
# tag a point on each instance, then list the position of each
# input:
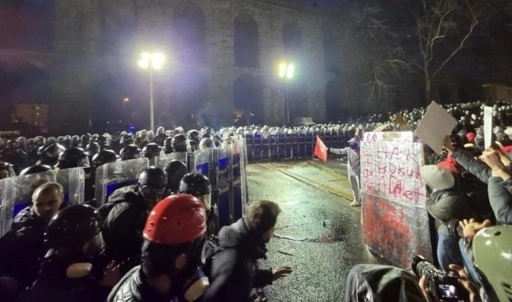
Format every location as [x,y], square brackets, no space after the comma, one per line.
[151,61]
[286,72]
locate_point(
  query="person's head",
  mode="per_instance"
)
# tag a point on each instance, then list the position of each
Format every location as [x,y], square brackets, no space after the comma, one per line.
[437,178]
[262,218]
[72,158]
[6,170]
[47,200]
[175,170]
[199,186]
[151,150]
[160,131]
[206,143]
[130,152]
[103,157]
[179,143]
[173,238]
[151,184]
[354,143]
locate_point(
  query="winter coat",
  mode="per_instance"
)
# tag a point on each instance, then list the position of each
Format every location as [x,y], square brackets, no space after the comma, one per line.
[22,248]
[124,225]
[353,160]
[132,288]
[234,272]
[500,198]
[473,166]
[375,283]
[53,285]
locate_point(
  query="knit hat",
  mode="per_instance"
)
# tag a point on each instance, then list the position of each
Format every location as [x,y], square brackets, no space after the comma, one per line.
[437,178]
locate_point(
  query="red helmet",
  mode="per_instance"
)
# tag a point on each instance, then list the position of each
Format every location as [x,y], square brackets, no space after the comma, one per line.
[175,220]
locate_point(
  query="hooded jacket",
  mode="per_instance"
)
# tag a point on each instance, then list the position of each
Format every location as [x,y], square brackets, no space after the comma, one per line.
[124,224]
[234,272]
[133,288]
[500,197]
[447,201]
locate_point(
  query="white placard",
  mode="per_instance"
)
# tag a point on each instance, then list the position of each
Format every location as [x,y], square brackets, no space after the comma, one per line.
[488,126]
[435,126]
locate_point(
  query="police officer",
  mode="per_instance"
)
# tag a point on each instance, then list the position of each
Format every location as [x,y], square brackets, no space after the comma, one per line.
[199,186]
[49,154]
[126,212]
[75,267]
[23,246]
[173,239]
[6,170]
[130,152]
[175,171]
[179,143]
[160,136]
[103,157]
[151,150]
[73,158]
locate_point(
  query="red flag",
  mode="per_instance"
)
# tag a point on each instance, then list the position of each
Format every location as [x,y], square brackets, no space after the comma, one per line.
[320,150]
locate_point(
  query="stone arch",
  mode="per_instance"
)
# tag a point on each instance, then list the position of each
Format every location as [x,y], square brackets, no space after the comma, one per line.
[246,41]
[27,25]
[333,101]
[248,98]
[188,28]
[292,39]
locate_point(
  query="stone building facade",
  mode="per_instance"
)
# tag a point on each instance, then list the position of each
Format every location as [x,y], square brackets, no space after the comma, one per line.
[221,53]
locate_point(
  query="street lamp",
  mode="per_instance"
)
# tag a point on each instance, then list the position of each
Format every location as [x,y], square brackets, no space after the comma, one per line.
[152,61]
[286,72]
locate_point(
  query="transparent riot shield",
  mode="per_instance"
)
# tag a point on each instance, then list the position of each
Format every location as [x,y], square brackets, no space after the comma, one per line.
[16,192]
[237,179]
[224,200]
[113,176]
[184,157]
[160,161]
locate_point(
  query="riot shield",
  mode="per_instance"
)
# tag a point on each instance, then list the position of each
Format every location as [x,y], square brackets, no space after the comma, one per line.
[224,200]
[160,161]
[113,176]
[184,157]
[16,192]
[237,179]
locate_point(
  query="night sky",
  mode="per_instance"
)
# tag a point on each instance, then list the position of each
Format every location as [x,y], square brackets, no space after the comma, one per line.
[323,4]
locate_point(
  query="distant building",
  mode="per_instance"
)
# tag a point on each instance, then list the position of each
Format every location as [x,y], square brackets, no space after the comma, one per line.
[82,56]
[34,116]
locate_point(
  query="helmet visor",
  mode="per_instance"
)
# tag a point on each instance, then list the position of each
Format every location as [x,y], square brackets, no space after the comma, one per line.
[206,199]
[94,246]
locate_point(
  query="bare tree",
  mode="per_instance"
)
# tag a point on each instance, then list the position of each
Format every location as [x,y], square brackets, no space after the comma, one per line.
[378,51]
[442,28]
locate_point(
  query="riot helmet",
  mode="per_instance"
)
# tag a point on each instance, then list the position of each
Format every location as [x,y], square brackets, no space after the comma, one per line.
[175,170]
[152,183]
[193,135]
[130,152]
[73,158]
[76,231]
[151,150]
[179,143]
[49,154]
[206,143]
[160,131]
[6,170]
[103,157]
[35,169]
[491,251]
[75,141]
[92,148]
[199,186]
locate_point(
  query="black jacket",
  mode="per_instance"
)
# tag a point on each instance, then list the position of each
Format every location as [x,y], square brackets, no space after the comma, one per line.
[53,285]
[124,225]
[234,272]
[132,287]
[22,248]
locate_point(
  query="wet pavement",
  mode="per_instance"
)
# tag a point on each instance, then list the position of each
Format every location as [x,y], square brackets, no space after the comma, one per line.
[318,234]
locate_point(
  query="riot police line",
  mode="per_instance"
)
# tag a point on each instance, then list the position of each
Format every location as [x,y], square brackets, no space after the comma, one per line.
[275,144]
[224,166]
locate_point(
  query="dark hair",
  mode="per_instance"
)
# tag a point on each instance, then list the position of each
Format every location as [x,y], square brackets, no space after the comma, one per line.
[262,215]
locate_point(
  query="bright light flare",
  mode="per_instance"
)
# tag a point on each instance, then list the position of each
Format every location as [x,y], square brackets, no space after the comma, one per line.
[155,60]
[286,70]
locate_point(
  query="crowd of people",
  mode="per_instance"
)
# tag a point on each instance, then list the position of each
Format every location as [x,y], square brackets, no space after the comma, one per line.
[158,240]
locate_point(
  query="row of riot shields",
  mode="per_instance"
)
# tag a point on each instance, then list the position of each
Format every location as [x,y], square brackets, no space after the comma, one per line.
[16,192]
[225,167]
[292,145]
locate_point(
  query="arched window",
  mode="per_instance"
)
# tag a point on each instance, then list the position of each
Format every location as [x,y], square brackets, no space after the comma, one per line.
[330,52]
[248,98]
[292,40]
[189,99]
[27,24]
[188,28]
[246,41]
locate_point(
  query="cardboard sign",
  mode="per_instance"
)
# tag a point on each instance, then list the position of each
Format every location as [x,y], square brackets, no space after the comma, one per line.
[435,126]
